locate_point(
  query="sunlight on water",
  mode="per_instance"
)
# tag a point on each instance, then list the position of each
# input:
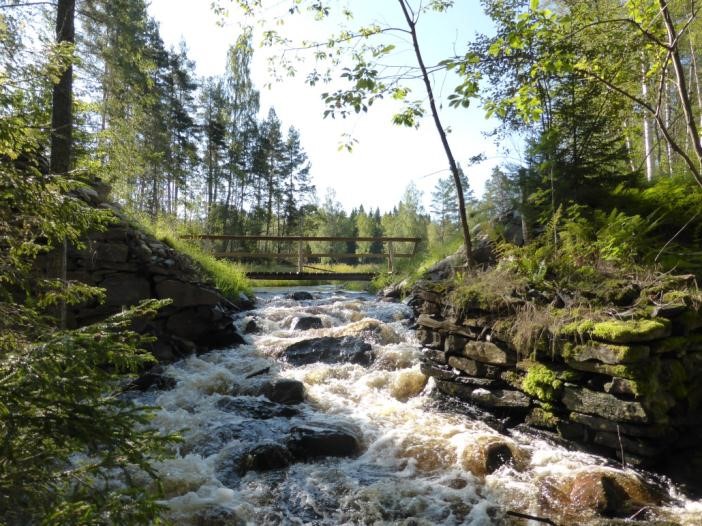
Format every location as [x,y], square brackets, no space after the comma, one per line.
[416,464]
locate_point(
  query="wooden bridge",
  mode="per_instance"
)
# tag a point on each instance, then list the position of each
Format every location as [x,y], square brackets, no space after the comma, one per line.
[302,254]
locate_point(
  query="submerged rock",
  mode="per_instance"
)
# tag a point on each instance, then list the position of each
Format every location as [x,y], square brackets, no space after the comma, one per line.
[265,457]
[306,323]
[488,454]
[308,442]
[408,383]
[329,349]
[255,407]
[218,516]
[609,493]
[251,327]
[370,328]
[154,378]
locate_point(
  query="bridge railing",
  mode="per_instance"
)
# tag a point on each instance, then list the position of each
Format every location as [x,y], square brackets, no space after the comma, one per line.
[302,254]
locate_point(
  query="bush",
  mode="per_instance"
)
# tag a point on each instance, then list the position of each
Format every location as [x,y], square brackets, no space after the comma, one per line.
[68,441]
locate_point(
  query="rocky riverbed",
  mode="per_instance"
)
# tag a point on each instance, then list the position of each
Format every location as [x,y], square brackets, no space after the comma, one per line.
[324,416]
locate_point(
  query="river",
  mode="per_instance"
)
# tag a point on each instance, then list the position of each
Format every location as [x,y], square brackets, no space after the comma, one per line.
[415,463]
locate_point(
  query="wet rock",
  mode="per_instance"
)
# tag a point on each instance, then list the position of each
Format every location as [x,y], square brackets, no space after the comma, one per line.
[265,457]
[329,349]
[406,384]
[244,302]
[311,442]
[582,400]
[393,291]
[306,323]
[285,391]
[255,407]
[488,454]
[371,329]
[154,378]
[609,493]
[251,327]
[428,454]
[300,295]
[218,516]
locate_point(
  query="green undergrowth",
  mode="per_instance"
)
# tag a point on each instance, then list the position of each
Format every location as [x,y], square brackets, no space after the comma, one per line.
[228,277]
[410,270]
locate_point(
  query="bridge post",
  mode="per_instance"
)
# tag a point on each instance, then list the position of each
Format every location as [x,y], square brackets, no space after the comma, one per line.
[391,258]
[300,256]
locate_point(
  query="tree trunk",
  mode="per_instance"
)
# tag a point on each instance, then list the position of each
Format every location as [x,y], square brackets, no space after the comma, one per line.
[62,124]
[62,99]
[648,148]
[412,24]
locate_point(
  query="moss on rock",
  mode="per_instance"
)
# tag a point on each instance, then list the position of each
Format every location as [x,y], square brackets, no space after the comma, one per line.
[619,331]
[542,382]
[605,352]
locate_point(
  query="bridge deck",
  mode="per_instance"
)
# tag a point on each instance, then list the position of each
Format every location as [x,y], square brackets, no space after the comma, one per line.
[313,276]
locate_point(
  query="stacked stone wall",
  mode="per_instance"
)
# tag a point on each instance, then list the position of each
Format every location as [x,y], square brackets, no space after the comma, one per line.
[628,388]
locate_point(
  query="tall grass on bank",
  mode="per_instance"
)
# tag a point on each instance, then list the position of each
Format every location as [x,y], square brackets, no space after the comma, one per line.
[321,267]
[229,277]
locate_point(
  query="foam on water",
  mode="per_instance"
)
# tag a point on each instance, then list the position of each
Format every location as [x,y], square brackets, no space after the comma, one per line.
[417,464]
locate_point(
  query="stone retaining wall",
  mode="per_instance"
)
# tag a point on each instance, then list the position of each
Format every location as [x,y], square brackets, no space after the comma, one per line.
[132,265]
[624,387]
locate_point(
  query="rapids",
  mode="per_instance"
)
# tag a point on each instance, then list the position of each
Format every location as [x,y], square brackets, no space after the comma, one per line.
[416,463]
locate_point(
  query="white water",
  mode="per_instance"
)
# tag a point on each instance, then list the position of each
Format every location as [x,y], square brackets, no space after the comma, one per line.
[416,463]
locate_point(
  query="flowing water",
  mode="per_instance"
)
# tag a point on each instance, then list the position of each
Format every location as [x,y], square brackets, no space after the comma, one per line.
[417,461]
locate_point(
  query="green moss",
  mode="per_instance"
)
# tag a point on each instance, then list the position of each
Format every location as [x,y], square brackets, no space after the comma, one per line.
[676,296]
[605,352]
[620,331]
[542,382]
[542,417]
[512,378]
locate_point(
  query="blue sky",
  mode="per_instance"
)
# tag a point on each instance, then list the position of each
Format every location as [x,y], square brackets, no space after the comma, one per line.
[386,158]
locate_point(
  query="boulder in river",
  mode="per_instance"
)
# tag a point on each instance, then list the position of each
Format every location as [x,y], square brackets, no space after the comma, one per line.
[285,391]
[300,295]
[265,457]
[490,453]
[254,407]
[609,493]
[305,323]
[329,349]
[315,441]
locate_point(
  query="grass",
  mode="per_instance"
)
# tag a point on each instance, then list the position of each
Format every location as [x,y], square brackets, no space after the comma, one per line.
[229,278]
[325,267]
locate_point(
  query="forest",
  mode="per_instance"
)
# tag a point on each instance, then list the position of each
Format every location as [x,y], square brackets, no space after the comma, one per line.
[604,96]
